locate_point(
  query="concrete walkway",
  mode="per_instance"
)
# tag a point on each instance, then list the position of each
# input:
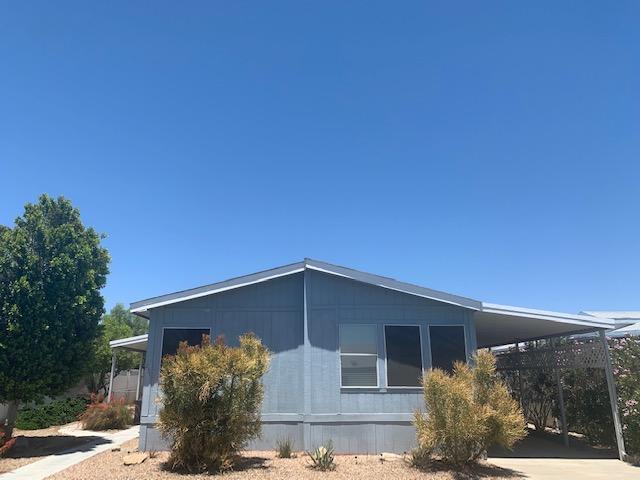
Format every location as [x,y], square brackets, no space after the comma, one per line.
[543,456]
[569,468]
[59,461]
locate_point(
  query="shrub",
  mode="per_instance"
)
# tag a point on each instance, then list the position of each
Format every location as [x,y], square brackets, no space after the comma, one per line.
[284,448]
[626,365]
[322,458]
[57,412]
[211,402]
[100,415]
[588,409]
[468,411]
[419,458]
[6,445]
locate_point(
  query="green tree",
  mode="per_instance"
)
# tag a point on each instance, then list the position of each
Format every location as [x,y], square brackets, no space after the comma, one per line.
[52,268]
[118,323]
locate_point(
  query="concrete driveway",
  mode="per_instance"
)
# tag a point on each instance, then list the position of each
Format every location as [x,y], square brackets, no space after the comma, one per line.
[543,456]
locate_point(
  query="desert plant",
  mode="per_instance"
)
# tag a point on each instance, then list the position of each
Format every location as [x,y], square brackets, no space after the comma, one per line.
[468,411]
[57,412]
[284,447]
[211,402]
[6,444]
[100,415]
[322,457]
[419,457]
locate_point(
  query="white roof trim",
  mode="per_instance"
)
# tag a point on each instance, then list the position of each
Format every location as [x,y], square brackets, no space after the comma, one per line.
[585,320]
[129,341]
[211,291]
[143,306]
[615,314]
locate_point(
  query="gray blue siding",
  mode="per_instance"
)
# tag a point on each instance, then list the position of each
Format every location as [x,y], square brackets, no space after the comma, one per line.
[303,397]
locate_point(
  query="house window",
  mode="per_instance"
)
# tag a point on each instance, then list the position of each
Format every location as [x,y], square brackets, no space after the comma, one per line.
[447,346]
[358,356]
[172,337]
[404,355]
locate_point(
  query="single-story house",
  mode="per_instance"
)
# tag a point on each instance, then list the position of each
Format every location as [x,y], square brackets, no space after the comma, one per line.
[348,347]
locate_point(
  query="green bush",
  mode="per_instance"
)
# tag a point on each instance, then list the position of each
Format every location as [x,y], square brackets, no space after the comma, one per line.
[284,447]
[468,412]
[212,396]
[112,415]
[322,458]
[587,404]
[57,412]
[626,368]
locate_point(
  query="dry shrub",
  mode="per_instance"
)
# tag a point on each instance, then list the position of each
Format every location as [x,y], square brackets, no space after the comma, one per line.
[100,415]
[212,396]
[468,411]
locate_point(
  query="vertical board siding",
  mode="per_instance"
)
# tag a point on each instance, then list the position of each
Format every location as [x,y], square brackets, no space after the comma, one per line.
[272,310]
[334,300]
[275,311]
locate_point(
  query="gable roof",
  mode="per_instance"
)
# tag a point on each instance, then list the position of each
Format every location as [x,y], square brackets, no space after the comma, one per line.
[143,306]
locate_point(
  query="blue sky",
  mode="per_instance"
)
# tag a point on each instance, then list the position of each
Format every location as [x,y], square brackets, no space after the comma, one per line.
[489,149]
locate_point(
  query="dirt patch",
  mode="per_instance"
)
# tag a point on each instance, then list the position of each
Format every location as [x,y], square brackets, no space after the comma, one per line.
[264,465]
[32,445]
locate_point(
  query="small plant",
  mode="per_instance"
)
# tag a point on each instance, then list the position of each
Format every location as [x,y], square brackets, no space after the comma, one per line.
[284,448]
[322,457]
[419,457]
[101,415]
[468,412]
[5,445]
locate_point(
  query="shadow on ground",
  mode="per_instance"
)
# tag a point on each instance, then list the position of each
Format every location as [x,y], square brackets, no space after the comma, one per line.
[471,472]
[242,464]
[549,445]
[31,447]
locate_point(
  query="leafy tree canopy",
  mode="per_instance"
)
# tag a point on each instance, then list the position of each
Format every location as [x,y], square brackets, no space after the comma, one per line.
[52,268]
[118,323]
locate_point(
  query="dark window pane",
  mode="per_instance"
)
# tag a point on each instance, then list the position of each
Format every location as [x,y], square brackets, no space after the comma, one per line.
[447,347]
[404,356]
[173,336]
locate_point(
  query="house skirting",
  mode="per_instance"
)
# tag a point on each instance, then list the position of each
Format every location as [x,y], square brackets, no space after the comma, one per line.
[356,434]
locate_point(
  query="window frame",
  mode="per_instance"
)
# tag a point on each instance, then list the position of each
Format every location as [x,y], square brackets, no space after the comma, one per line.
[376,355]
[179,328]
[464,335]
[386,359]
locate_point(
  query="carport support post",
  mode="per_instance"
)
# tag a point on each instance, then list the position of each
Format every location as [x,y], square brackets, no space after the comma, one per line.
[563,415]
[139,375]
[613,396]
[113,371]
[519,375]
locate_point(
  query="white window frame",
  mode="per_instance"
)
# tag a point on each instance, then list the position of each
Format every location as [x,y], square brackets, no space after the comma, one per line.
[340,354]
[464,334]
[386,370]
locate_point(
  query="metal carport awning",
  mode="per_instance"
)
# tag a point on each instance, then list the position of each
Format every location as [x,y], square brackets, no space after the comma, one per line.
[132,344]
[504,325]
[498,325]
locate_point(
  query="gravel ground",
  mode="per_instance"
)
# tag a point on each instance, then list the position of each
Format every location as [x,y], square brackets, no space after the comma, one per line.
[37,444]
[264,465]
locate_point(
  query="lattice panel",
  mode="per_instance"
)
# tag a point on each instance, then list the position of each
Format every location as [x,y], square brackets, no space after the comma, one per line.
[577,355]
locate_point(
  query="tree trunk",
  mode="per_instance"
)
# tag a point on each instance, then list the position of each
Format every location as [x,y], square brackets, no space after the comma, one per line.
[7,423]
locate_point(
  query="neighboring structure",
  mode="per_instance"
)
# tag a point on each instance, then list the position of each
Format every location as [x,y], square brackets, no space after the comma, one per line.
[348,347]
[625,322]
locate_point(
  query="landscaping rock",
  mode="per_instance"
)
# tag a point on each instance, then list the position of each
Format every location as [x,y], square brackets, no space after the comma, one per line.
[135,458]
[390,457]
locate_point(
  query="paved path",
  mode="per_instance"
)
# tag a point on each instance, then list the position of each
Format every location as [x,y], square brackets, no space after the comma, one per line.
[569,468]
[59,461]
[543,456]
